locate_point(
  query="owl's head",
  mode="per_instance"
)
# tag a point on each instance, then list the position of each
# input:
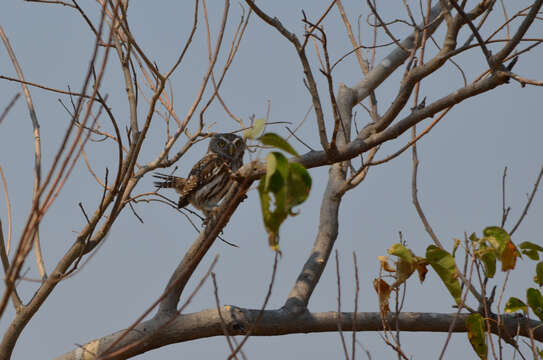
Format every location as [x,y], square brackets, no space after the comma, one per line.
[229,146]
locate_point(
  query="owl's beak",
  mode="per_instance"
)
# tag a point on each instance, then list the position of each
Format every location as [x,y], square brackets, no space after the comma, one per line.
[230,150]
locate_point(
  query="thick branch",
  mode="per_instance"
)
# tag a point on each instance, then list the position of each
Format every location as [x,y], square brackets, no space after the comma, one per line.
[396,58]
[207,323]
[360,145]
[199,248]
[298,297]
[523,28]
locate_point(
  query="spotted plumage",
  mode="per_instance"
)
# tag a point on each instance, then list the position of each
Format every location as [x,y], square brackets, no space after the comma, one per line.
[211,177]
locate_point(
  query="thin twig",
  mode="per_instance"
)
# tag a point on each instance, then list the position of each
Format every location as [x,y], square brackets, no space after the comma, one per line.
[505,210]
[339,309]
[223,323]
[259,316]
[37,149]
[9,106]
[8,205]
[357,290]
[530,198]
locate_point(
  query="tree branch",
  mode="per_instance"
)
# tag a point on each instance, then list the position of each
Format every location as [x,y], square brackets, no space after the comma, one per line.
[238,321]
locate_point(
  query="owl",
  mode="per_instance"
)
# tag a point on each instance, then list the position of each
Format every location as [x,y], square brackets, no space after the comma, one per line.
[211,177]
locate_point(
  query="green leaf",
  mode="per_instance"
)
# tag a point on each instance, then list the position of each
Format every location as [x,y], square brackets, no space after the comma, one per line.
[299,184]
[488,257]
[489,261]
[476,334]
[529,245]
[402,252]
[539,273]
[473,237]
[514,304]
[497,236]
[530,249]
[284,186]
[443,264]
[535,301]
[276,171]
[271,166]
[254,131]
[272,139]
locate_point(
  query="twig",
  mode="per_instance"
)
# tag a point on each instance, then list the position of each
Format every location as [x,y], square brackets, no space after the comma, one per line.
[8,205]
[413,141]
[505,210]
[9,106]
[339,309]
[357,290]
[37,149]
[56,2]
[315,26]
[486,52]
[5,264]
[311,84]
[530,198]
[223,323]
[388,32]
[523,81]
[259,316]
[84,212]
[300,140]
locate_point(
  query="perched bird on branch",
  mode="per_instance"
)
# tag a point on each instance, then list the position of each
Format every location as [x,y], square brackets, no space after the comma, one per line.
[211,177]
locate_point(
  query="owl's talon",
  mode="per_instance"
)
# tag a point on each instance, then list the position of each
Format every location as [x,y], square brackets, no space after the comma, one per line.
[211,215]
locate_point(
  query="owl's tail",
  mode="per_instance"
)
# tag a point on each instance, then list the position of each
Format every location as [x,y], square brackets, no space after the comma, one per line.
[177,183]
[169,181]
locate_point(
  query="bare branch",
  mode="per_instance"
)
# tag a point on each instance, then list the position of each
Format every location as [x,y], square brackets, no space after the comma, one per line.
[9,106]
[529,202]
[207,323]
[339,309]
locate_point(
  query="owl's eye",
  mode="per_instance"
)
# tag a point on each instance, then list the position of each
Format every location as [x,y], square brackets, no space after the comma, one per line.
[238,144]
[221,143]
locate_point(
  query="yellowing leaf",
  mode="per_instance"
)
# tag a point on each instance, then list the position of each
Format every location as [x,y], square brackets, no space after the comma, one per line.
[456,244]
[383,290]
[254,131]
[404,269]
[476,334]
[497,236]
[385,265]
[422,268]
[509,256]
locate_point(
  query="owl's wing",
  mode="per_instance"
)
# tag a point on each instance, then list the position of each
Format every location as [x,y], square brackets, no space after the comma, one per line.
[202,172]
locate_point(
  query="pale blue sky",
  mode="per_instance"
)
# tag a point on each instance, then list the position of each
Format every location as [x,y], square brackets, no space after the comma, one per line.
[462,161]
